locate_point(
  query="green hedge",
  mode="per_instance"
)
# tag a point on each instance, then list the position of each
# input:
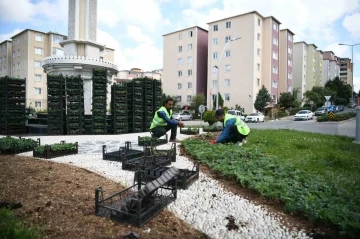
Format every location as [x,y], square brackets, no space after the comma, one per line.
[337,117]
[281,114]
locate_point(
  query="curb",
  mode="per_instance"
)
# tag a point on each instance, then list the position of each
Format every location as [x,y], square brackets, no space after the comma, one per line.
[337,122]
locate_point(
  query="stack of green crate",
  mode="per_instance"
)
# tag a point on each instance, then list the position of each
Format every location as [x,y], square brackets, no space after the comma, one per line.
[148,96]
[99,81]
[135,105]
[12,105]
[157,95]
[119,109]
[75,105]
[56,104]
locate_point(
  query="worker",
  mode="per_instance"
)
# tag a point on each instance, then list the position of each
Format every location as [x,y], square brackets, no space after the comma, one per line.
[163,122]
[234,129]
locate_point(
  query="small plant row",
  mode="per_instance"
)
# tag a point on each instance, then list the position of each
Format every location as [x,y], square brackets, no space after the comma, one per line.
[99,101]
[56,104]
[75,105]
[55,150]
[11,145]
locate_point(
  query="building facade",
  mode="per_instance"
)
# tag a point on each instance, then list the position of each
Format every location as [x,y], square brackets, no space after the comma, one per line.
[185,63]
[5,58]
[319,68]
[286,61]
[300,68]
[331,67]
[346,70]
[124,75]
[247,63]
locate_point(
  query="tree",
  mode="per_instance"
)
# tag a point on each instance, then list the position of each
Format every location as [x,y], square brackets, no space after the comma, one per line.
[343,91]
[295,93]
[221,101]
[286,100]
[176,106]
[262,99]
[196,101]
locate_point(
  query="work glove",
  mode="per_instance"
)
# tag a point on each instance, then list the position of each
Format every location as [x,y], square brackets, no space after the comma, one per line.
[212,142]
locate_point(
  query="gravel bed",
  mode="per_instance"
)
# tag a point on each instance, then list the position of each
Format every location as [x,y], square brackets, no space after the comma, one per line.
[206,205]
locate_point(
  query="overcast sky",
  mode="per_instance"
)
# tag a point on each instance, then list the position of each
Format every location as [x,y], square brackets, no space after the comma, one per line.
[134,28]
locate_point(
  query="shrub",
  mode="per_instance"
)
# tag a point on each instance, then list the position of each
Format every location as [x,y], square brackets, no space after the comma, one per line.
[281,114]
[337,117]
[209,117]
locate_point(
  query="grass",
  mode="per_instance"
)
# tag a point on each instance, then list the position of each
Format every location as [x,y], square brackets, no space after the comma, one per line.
[315,174]
[12,228]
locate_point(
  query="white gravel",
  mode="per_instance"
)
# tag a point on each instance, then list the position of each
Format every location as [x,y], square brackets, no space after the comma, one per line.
[205,205]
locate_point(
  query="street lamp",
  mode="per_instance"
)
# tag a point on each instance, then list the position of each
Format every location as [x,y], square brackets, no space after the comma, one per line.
[352,67]
[218,71]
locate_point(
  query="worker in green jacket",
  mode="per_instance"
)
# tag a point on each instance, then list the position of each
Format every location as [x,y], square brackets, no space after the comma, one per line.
[163,122]
[234,129]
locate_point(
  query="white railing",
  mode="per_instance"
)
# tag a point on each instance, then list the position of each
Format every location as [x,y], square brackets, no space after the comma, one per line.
[81,59]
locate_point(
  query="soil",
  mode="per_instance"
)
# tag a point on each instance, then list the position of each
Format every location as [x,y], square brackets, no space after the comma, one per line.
[59,198]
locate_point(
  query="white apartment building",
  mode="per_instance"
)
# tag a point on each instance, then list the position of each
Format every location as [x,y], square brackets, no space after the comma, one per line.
[185,63]
[5,58]
[124,75]
[319,68]
[346,70]
[331,66]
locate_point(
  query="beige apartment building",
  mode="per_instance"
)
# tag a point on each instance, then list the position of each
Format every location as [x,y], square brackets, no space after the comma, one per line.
[319,68]
[346,70]
[246,63]
[286,61]
[185,63]
[331,66]
[124,75]
[5,58]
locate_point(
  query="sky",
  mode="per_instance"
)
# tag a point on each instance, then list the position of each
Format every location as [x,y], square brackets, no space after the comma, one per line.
[135,28]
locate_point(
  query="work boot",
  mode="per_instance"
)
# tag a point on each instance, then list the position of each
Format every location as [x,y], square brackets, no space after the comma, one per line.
[174,141]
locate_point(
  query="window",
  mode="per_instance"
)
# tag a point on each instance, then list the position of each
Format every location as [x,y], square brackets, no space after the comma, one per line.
[188,98]
[18,66]
[275,41]
[57,38]
[38,51]
[258,36]
[179,73]
[18,52]
[215,27]
[13,54]
[190,33]
[274,69]
[227,38]
[259,22]
[313,69]
[258,82]
[37,104]
[227,53]
[13,67]
[179,86]
[215,55]
[58,51]
[258,51]
[37,91]
[289,50]
[258,67]
[190,59]
[179,98]
[274,84]
[179,61]
[215,41]
[227,97]
[180,36]
[189,85]
[213,96]
[190,72]
[227,68]
[289,63]
[228,24]
[215,69]
[274,98]
[275,27]
[275,55]
[227,82]
[38,37]
[0,59]
[289,37]
[189,47]
[37,77]
[289,75]
[214,83]
[18,40]
[179,48]
[37,64]
[289,88]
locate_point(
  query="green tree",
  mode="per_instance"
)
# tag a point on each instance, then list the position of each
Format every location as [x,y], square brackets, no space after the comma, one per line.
[286,100]
[196,101]
[221,101]
[343,91]
[176,106]
[262,99]
[295,93]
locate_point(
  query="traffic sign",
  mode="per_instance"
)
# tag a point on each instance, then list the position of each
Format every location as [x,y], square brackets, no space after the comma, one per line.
[327,97]
[331,115]
[201,109]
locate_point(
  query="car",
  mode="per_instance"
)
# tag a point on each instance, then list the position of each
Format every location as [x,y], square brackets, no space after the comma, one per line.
[255,117]
[341,108]
[237,113]
[182,116]
[303,115]
[321,111]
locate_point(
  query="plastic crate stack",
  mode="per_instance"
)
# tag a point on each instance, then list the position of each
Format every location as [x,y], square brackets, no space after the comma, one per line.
[135,106]
[56,104]
[157,95]
[148,96]
[119,109]
[99,81]
[75,105]
[12,105]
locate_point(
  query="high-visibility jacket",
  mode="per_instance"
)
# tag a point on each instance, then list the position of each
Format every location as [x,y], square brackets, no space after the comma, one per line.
[157,121]
[241,126]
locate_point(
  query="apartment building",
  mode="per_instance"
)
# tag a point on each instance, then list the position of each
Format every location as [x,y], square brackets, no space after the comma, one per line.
[107,54]
[185,63]
[331,66]
[137,73]
[346,70]
[246,64]
[286,61]
[319,68]
[5,58]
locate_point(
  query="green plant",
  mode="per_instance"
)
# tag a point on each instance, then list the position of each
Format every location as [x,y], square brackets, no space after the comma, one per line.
[337,117]
[209,117]
[10,143]
[57,147]
[262,99]
[281,114]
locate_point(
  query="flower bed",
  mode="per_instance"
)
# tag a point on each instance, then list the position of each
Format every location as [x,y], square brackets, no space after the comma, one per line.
[189,131]
[10,145]
[212,129]
[55,150]
[337,117]
[148,140]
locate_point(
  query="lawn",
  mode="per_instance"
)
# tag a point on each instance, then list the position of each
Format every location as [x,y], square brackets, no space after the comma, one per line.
[315,174]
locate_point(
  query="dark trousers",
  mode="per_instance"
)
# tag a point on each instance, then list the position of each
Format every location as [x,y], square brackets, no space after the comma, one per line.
[161,130]
[234,135]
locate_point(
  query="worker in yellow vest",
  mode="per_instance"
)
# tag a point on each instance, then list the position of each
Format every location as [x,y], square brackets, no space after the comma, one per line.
[234,129]
[163,122]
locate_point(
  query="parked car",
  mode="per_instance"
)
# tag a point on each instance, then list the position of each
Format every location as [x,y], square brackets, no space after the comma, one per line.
[237,113]
[321,111]
[255,117]
[303,115]
[341,108]
[182,116]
